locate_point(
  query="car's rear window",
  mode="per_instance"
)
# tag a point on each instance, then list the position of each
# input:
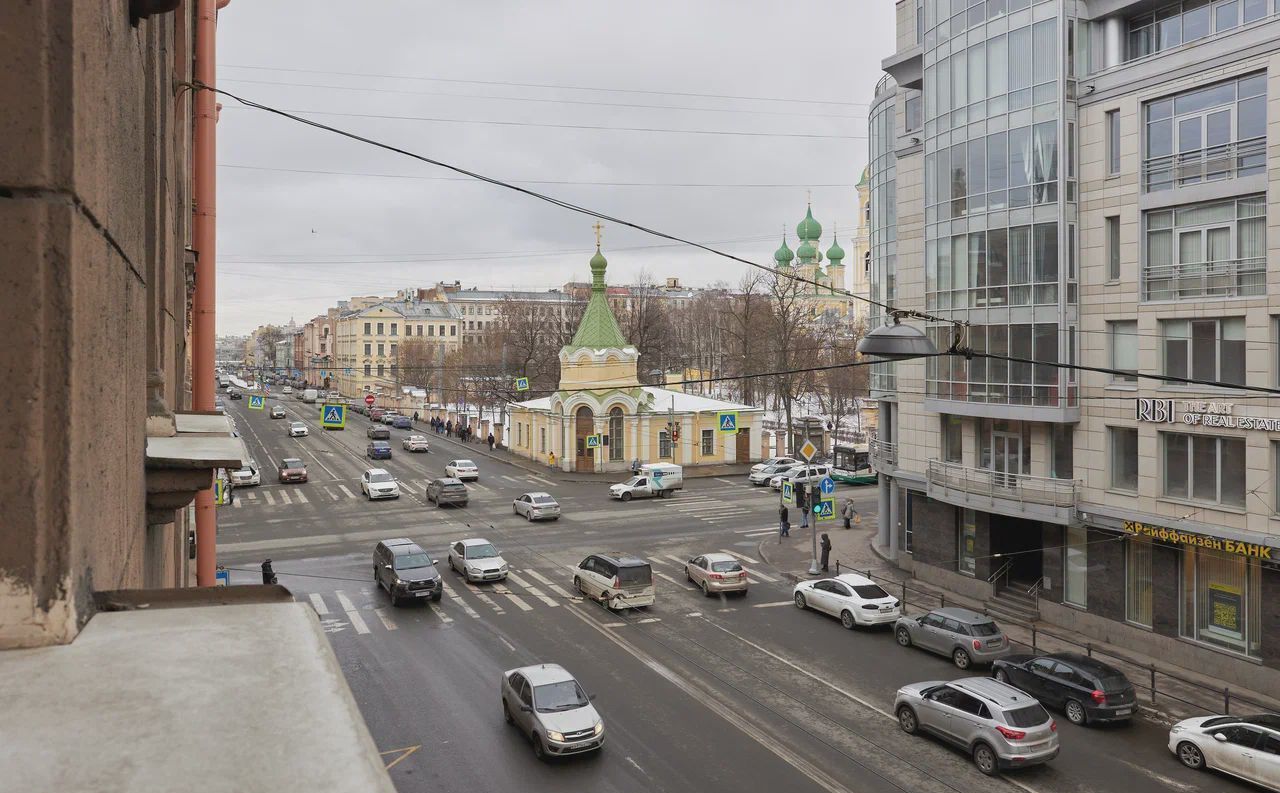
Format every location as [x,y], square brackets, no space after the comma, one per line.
[1114,683]
[544,500]
[984,629]
[1027,716]
[464,464]
[635,574]
[870,592]
[454,486]
[725,567]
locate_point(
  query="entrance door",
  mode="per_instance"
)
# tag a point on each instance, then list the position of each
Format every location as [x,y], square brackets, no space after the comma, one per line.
[585,459]
[742,450]
[1006,449]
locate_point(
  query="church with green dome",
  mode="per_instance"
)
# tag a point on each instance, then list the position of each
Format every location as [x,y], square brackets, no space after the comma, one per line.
[823,287]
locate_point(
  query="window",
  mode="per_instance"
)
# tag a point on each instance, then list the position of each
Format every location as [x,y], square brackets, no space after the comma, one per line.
[1076,591]
[1113,248]
[1124,458]
[1137,580]
[367,370]
[1220,596]
[1063,441]
[913,114]
[664,444]
[1206,250]
[431,330]
[967,552]
[1123,338]
[453,330]
[919,21]
[542,439]
[367,327]
[1206,134]
[368,348]
[393,350]
[381,370]
[1183,23]
[1204,349]
[1204,468]
[616,446]
[708,443]
[419,329]
[393,328]
[1113,142]
[952,439]
[381,348]
[380,328]
[519,434]
[394,369]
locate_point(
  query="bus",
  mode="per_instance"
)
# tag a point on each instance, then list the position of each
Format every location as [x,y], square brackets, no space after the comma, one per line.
[852,465]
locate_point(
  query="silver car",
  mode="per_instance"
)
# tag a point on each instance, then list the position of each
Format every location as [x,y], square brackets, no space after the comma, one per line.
[536,506]
[964,636]
[999,726]
[768,472]
[546,703]
[716,572]
[478,560]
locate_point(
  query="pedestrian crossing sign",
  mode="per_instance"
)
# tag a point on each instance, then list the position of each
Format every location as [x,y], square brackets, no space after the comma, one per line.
[522,384]
[825,509]
[333,417]
[593,441]
[788,492]
[728,421]
[257,402]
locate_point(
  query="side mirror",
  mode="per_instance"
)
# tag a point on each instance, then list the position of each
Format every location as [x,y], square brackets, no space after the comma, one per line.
[386,567]
[1220,736]
[526,709]
[591,697]
[435,561]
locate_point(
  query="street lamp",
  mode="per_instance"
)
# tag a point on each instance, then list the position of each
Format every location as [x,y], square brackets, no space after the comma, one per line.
[897,342]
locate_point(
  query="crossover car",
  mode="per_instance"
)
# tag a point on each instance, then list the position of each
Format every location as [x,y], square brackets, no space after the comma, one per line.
[297,429]
[378,433]
[536,506]
[234,393]
[375,414]
[379,483]
[616,580]
[292,469]
[447,490]
[1084,688]
[378,450]
[415,443]
[999,726]
[716,572]
[462,469]
[1247,747]
[477,559]
[406,571]
[767,473]
[545,703]
[277,411]
[855,599]
[246,476]
[801,476]
[964,636]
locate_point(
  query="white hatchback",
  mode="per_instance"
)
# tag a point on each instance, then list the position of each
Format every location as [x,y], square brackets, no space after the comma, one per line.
[462,469]
[855,599]
[1247,747]
[379,483]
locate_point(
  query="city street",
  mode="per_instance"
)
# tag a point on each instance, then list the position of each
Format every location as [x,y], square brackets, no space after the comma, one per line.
[734,692]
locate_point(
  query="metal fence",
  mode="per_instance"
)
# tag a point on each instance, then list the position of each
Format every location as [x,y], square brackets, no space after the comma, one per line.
[998,484]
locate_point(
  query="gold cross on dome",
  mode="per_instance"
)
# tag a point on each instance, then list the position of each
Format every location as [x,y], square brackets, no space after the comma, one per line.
[598,227]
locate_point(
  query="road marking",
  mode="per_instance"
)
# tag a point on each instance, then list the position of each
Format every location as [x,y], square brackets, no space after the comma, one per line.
[284,498]
[771,605]
[761,533]
[726,481]
[674,558]
[694,614]
[485,599]
[636,766]
[357,621]
[466,607]
[239,502]
[510,646]
[680,584]
[559,590]
[749,531]
[647,620]
[321,607]
[614,624]
[333,495]
[405,487]
[445,618]
[753,573]
[540,480]
[741,556]
[344,489]
[270,500]
[516,599]
[510,479]
[302,498]
[386,619]
[520,582]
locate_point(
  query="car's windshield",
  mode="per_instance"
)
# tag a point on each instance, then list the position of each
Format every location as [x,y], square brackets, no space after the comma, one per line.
[870,592]
[248,469]
[725,567]
[543,500]
[381,477]
[565,695]
[984,629]
[1029,716]
[411,561]
[632,482]
[486,551]
[292,462]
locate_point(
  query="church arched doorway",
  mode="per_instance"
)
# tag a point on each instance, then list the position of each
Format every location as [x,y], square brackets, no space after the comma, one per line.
[583,426]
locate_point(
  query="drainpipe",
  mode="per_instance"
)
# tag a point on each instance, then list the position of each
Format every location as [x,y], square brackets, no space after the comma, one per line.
[203,299]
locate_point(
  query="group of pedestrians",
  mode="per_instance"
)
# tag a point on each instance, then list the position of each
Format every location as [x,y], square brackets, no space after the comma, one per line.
[847,511]
[460,431]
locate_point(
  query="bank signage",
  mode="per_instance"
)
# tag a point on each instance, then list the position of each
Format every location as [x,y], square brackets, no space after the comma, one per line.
[1200,540]
[1197,413]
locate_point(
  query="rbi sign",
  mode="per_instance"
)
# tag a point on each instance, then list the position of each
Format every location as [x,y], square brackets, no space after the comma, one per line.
[1159,411]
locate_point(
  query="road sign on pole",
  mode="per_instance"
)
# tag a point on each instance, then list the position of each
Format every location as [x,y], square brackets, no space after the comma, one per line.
[788,492]
[333,417]
[807,451]
[221,495]
[257,402]
[522,384]
[728,421]
[825,509]
[593,441]
[827,485]
[369,399]
[222,576]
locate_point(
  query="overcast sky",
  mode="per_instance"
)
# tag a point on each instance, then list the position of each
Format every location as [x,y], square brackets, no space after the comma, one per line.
[292,241]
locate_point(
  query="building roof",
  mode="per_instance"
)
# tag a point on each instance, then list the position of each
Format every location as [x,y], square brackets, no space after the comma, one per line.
[689,403]
[809,229]
[598,329]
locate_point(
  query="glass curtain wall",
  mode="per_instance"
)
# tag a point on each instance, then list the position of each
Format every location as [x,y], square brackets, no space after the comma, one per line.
[883,206]
[1000,192]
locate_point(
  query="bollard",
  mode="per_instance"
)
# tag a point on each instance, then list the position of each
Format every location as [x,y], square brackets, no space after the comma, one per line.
[1033,637]
[942,600]
[1153,684]
[1226,700]
[837,567]
[904,593]
[1088,649]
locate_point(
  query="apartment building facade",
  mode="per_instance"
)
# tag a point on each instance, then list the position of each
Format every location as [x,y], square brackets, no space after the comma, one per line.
[1086,184]
[367,344]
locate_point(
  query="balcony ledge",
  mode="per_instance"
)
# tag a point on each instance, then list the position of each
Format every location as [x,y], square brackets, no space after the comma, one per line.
[180,465]
[906,67]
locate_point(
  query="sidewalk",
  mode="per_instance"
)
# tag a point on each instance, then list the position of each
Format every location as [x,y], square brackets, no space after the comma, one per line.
[1166,693]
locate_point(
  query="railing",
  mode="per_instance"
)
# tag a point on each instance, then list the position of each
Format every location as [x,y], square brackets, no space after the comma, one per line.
[883,452]
[1033,591]
[1210,164]
[1186,281]
[998,484]
[1001,572]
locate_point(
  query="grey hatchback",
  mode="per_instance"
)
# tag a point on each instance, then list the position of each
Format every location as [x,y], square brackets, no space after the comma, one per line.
[998,725]
[965,636]
[447,490]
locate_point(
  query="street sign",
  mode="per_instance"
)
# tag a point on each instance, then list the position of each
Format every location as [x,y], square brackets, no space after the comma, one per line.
[257,402]
[221,576]
[827,485]
[221,495]
[522,384]
[788,492]
[593,441]
[825,509]
[369,399]
[728,421]
[808,451]
[333,417]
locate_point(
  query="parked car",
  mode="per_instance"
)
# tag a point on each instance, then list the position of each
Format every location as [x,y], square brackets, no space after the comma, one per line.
[773,461]
[616,580]
[536,506]
[277,411]
[855,599]
[379,483]
[378,450]
[297,429]
[999,726]
[375,414]
[1247,747]
[477,560]
[763,475]
[402,422]
[246,476]
[462,469]
[447,490]
[1083,688]
[292,469]
[716,572]
[389,417]
[545,703]
[415,443]
[378,433]
[964,636]
[406,571]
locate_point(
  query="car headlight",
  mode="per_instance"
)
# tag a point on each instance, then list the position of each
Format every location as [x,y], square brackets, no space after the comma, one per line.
[503,568]
[555,736]
[1176,729]
[599,727]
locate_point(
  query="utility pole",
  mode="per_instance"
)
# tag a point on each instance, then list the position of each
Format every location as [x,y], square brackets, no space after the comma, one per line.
[813,504]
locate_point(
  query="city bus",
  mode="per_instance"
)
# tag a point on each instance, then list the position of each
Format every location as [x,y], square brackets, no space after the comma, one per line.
[852,465]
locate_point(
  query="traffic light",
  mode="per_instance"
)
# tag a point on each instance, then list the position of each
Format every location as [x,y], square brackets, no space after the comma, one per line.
[675,434]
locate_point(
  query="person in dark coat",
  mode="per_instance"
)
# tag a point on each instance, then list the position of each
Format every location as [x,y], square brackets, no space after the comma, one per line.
[491,441]
[784,522]
[268,575]
[825,545]
[802,504]
[448,428]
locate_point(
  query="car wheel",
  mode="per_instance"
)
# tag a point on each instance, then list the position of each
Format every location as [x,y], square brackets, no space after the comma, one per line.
[1001,675]
[1190,755]
[907,720]
[528,516]
[799,598]
[904,637]
[577,585]
[616,603]
[514,510]
[538,750]
[1075,712]
[506,713]
[706,591]
[626,496]
[984,757]
[438,596]
[960,657]
[847,620]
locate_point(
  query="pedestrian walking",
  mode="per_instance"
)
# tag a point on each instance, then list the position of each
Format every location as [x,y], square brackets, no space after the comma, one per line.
[491,441]
[551,459]
[802,504]
[635,466]
[448,427]
[826,551]
[784,524]
[415,417]
[268,575]
[850,513]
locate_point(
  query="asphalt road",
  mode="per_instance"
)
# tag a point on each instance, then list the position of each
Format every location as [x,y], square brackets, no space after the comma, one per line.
[742,693]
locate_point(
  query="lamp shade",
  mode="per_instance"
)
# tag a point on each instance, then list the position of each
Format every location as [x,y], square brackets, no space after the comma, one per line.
[896,342]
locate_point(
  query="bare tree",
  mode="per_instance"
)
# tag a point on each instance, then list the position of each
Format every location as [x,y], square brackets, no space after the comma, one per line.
[838,389]
[792,342]
[268,338]
[646,324]
[747,326]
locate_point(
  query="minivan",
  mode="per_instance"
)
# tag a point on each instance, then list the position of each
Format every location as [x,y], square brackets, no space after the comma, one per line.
[616,580]
[447,490]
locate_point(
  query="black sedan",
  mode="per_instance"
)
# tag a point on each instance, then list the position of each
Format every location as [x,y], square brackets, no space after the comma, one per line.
[1083,688]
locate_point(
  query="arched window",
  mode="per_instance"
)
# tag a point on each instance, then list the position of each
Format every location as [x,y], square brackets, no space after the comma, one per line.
[616,449]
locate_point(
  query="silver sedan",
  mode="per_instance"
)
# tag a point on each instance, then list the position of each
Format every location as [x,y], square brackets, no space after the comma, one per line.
[716,572]
[536,506]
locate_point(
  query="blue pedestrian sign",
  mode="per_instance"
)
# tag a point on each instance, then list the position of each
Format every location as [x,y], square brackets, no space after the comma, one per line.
[827,485]
[257,402]
[825,509]
[788,492]
[593,441]
[728,421]
[221,576]
[333,417]
[522,384]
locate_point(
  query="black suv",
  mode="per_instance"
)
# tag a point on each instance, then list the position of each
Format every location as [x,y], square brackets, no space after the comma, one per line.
[1084,688]
[407,572]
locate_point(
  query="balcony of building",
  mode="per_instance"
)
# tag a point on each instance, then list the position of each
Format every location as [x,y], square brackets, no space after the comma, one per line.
[884,454]
[1016,495]
[1231,160]
[1201,280]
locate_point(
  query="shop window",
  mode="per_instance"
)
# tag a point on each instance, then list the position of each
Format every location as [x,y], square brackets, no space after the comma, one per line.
[1204,468]
[1221,599]
[1124,458]
[1076,562]
[1137,580]
[966,553]
[708,443]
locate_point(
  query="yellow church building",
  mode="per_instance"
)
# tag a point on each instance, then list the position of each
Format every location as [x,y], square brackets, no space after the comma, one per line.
[601,418]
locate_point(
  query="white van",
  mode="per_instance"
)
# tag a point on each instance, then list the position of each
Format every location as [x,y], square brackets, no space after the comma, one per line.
[310,395]
[654,479]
